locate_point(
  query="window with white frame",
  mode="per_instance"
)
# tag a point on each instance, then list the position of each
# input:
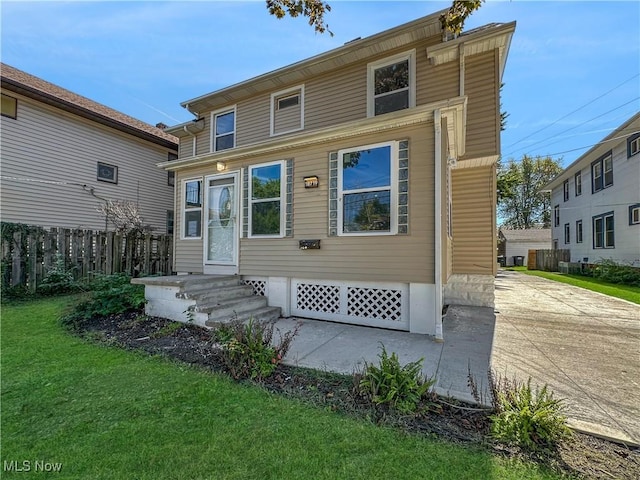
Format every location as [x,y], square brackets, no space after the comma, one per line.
[634,214]
[633,145]
[391,84]
[579,231]
[556,216]
[367,189]
[602,173]
[565,188]
[604,231]
[287,110]
[9,106]
[223,129]
[577,183]
[266,199]
[567,233]
[192,208]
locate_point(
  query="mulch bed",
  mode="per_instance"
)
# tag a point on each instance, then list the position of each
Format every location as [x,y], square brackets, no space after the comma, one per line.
[584,456]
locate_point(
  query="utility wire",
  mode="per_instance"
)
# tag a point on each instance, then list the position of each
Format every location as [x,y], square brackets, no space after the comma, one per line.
[575,126]
[574,111]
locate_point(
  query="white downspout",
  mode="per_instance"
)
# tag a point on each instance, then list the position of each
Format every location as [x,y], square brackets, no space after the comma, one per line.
[193,135]
[438,225]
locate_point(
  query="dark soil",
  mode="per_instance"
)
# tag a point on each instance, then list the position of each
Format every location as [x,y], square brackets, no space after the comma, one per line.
[583,456]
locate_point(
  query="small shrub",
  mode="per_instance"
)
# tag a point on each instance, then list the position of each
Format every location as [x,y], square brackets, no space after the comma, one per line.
[401,387]
[247,348]
[58,279]
[110,295]
[532,420]
[168,329]
[612,272]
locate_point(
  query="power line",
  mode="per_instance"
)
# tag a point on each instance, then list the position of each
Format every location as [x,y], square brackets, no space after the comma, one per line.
[574,111]
[575,126]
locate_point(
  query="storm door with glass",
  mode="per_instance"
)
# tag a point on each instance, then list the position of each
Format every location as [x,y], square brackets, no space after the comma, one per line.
[221,234]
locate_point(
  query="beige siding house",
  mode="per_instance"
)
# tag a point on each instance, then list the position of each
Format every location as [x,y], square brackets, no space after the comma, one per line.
[356,186]
[63,155]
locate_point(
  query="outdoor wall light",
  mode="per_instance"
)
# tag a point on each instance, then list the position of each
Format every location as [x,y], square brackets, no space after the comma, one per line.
[220,166]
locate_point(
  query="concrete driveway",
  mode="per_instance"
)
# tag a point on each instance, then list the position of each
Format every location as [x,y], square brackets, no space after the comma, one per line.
[584,345]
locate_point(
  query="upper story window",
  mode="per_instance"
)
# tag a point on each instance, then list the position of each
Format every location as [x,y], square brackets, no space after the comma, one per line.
[577,183]
[287,110]
[107,173]
[367,189]
[556,216]
[633,144]
[266,198]
[634,214]
[567,233]
[171,175]
[579,231]
[602,173]
[391,84]
[223,129]
[192,208]
[9,106]
[565,188]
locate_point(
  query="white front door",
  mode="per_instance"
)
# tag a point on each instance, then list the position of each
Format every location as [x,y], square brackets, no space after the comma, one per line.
[222,235]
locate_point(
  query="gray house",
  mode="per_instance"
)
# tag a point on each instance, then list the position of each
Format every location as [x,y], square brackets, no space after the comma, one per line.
[64,154]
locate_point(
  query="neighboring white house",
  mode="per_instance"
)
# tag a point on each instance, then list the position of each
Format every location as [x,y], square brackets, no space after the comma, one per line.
[596,201]
[517,243]
[63,155]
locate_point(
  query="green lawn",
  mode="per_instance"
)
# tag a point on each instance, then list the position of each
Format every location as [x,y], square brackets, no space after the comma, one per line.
[106,413]
[625,292]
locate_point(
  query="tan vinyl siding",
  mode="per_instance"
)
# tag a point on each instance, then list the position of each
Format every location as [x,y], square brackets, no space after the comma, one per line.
[45,144]
[186,147]
[252,120]
[474,193]
[435,83]
[482,87]
[203,138]
[377,258]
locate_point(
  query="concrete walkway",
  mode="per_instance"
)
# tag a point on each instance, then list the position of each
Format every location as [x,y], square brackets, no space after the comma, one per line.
[584,345]
[336,347]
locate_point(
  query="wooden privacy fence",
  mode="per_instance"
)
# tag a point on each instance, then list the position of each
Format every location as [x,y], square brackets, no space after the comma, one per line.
[29,253]
[547,260]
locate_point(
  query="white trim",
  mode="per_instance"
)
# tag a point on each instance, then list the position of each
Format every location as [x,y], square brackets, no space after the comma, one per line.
[437,304]
[393,189]
[373,66]
[298,89]
[212,136]
[222,267]
[183,206]
[283,198]
[421,298]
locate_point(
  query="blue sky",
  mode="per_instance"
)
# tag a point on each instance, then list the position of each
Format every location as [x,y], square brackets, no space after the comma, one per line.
[573,73]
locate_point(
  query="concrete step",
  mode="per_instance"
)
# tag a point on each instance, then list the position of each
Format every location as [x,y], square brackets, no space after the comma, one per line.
[216,294]
[265,314]
[207,282]
[228,308]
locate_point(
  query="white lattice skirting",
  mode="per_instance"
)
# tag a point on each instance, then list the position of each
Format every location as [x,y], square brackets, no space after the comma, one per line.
[374,304]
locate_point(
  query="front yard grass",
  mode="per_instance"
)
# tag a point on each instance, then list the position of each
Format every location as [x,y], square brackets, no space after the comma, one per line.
[106,413]
[624,292]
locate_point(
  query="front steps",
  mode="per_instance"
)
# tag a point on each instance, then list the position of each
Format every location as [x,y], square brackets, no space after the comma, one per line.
[204,299]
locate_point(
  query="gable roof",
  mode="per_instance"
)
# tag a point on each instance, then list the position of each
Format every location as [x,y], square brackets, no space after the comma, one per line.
[630,127]
[33,87]
[526,235]
[355,50]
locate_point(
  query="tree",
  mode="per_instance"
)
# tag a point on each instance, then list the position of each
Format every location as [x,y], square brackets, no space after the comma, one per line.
[453,20]
[521,203]
[314,10]
[125,217]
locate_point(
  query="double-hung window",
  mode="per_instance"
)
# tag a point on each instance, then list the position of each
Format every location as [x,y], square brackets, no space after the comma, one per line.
[567,233]
[223,129]
[565,188]
[192,208]
[287,110]
[633,145]
[391,84]
[604,231]
[267,200]
[556,216]
[634,214]
[602,173]
[579,231]
[577,183]
[367,179]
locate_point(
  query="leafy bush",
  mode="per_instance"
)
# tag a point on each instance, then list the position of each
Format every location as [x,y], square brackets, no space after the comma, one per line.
[532,420]
[59,279]
[110,295]
[612,272]
[400,387]
[247,348]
